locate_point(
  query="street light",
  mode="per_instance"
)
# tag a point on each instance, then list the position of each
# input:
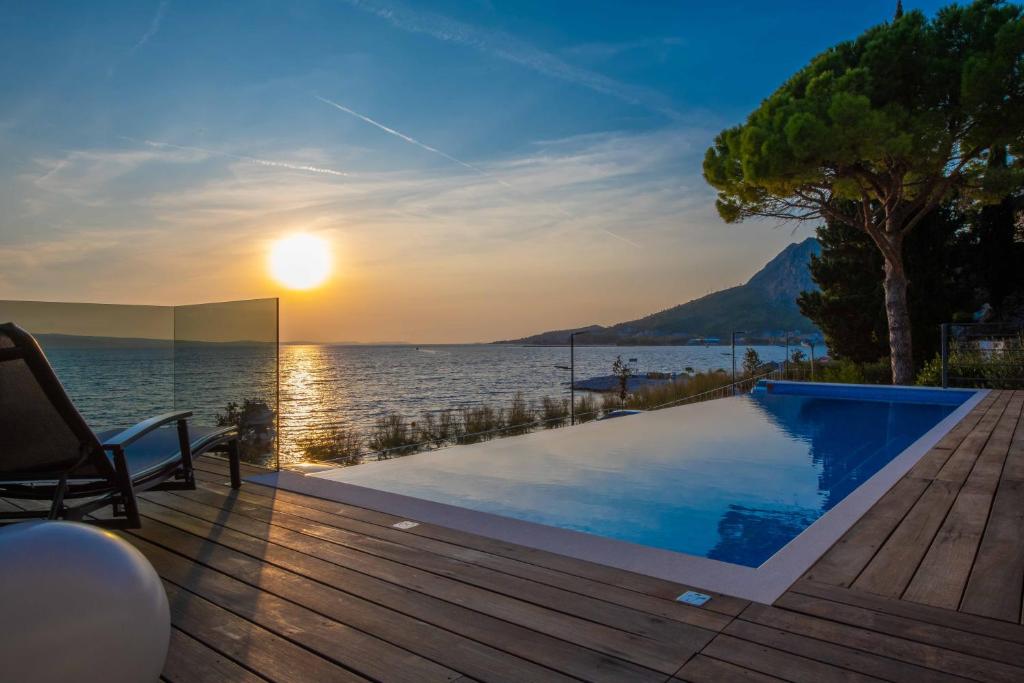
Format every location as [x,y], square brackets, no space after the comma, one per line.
[734,359]
[810,343]
[572,374]
[785,363]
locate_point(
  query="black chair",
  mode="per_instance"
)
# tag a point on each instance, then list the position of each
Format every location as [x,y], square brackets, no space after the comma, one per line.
[48,451]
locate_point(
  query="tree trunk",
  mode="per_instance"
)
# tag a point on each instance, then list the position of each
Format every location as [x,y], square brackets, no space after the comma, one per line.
[896,310]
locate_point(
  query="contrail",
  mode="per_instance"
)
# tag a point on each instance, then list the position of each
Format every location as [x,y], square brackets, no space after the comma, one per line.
[154,25]
[242,157]
[624,239]
[511,49]
[413,141]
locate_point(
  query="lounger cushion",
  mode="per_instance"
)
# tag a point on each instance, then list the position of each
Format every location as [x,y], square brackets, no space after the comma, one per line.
[158,450]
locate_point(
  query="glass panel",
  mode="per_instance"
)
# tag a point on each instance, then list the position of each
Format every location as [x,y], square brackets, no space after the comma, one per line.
[225,370]
[121,364]
[116,362]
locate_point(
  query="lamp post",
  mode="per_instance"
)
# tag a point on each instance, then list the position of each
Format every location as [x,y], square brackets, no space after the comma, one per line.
[785,363]
[810,343]
[734,359]
[572,375]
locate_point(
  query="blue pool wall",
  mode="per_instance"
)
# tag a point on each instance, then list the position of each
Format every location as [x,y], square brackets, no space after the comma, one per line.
[866,392]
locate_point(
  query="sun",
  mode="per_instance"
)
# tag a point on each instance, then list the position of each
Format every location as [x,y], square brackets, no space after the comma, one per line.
[300,261]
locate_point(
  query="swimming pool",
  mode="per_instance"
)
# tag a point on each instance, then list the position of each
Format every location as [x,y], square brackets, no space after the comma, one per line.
[729,482]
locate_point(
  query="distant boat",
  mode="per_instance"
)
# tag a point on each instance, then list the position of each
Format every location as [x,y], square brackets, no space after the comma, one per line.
[705,341]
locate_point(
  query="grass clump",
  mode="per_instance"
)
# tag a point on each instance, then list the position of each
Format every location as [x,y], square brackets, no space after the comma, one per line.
[391,435]
[342,445]
[479,423]
[439,427]
[554,412]
[519,417]
[587,408]
[654,395]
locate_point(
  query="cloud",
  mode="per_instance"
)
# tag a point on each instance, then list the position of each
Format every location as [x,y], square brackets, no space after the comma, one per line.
[512,49]
[608,50]
[421,253]
[476,169]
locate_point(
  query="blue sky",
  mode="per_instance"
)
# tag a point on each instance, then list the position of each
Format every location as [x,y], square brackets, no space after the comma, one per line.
[540,167]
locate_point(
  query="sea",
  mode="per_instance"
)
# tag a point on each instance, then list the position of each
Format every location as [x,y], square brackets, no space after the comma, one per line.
[321,386]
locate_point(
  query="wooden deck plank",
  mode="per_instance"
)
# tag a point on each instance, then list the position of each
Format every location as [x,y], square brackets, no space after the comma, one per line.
[968,623]
[893,566]
[996,582]
[950,639]
[399,546]
[846,559]
[408,595]
[1014,467]
[596,572]
[942,574]
[659,655]
[774,662]
[892,646]
[190,661]
[931,463]
[249,645]
[963,459]
[462,654]
[703,669]
[668,609]
[837,655]
[334,641]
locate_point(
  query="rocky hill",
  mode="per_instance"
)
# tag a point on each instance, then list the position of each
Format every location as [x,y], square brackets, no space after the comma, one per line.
[764,306]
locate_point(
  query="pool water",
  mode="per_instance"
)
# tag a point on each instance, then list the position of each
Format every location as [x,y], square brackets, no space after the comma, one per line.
[732,479]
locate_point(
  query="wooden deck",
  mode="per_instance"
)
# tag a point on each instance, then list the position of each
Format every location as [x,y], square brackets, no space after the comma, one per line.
[271,585]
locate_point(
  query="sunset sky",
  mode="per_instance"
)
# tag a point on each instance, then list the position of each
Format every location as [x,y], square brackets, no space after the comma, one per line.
[480,170]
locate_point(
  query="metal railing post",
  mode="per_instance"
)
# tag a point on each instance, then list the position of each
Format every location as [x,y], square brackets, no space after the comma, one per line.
[944,351]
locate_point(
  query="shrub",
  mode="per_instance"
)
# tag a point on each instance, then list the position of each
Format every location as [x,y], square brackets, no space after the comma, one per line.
[554,412]
[479,423]
[342,445]
[587,408]
[997,364]
[439,427]
[392,436]
[519,417]
[654,395]
[751,361]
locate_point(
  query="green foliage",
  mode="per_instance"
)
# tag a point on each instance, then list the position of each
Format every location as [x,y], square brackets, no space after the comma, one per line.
[900,105]
[931,373]
[254,420]
[751,361]
[891,124]
[846,371]
[849,306]
[797,356]
[342,445]
[1000,366]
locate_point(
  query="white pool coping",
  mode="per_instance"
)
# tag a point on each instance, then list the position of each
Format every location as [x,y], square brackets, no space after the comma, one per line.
[761,584]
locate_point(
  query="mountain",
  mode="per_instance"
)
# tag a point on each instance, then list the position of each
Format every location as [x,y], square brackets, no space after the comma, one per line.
[764,306]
